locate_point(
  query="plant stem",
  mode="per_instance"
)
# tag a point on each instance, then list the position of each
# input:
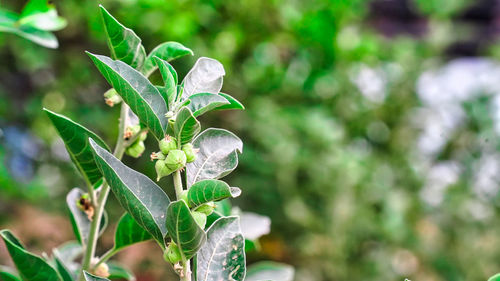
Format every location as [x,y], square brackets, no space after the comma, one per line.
[178,184]
[187,272]
[106,256]
[103,196]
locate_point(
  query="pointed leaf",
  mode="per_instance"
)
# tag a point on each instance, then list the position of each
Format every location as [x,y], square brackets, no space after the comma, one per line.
[206,76]
[167,51]
[184,230]
[267,270]
[210,190]
[145,201]
[91,277]
[204,102]
[7,274]
[223,255]
[117,271]
[186,126]
[30,266]
[233,103]
[123,43]
[79,219]
[136,90]
[217,156]
[129,232]
[169,75]
[65,272]
[75,137]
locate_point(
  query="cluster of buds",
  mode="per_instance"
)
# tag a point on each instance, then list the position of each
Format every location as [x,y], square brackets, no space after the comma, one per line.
[137,147]
[170,159]
[111,97]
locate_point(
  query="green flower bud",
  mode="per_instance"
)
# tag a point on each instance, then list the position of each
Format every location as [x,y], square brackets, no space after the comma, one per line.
[206,208]
[167,144]
[162,170]
[200,218]
[143,136]
[111,97]
[131,131]
[176,159]
[136,149]
[172,254]
[157,156]
[190,152]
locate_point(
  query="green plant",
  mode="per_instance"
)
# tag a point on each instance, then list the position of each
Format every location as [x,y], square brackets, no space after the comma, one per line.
[36,22]
[197,229]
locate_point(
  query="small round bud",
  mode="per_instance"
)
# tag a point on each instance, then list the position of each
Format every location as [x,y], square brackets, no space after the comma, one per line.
[157,156]
[200,218]
[172,254]
[143,136]
[131,131]
[111,97]
[190,152]
[168,143]
[136,149]
[175,160]
[206,208]
[162,170]
[102,270]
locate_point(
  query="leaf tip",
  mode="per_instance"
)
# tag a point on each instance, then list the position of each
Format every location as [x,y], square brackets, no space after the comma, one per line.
[235,191]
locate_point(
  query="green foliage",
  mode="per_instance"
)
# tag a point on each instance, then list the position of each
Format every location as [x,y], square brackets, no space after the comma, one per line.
[129,232]
[205,191]
[36,21]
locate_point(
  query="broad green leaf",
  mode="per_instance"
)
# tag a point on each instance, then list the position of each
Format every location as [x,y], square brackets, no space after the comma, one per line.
[30,266]
[204,102]
[206,76]
[217,156]
[41,15]
[267,270]
[123,43]
[91,277]
[136,90]
[75,137]
[169,75]
[183,229]
[7,274]
[117,271]
[79,219]
[167,51]
[495,277]
[129,232]
[223,208]
[65,272]
[68,254]
[186,126]
[145,201]
[210,190]
[222,257]
[233,103]
[40,37]
[254,225]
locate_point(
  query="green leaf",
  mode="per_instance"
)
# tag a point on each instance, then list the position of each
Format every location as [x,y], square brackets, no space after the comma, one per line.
[233,103]
[7,274]
[136,90]
[217,156]
[68,254]
[206,76]
[186,126]
[169,75]
[145,201]
[79,219]
[75,137]
[123,43]
[495,277]
[61,267]
[204,102]
[210,190]
[223,255]
[129,232]
[8,23]
[91,277]
[117,271]
[183,229]
[167,51]
[30,266]
[41,15]
[267,270]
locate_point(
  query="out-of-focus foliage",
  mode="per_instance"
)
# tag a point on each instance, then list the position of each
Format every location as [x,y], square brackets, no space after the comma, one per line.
[373,150]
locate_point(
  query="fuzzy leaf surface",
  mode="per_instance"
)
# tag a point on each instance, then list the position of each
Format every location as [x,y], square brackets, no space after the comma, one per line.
[210,190]
[206,76]
[129,232]
[167,51]
[204,102]
[186,126]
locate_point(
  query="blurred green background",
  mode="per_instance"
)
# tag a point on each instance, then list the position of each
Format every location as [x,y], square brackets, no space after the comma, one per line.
[371,131]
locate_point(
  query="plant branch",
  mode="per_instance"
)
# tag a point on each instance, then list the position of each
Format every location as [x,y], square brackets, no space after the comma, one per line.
[103,196]
[106,256]
[178,184]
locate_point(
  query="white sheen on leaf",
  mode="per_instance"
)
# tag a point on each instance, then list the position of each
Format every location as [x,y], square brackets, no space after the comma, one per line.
[206,76]
[254,225]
